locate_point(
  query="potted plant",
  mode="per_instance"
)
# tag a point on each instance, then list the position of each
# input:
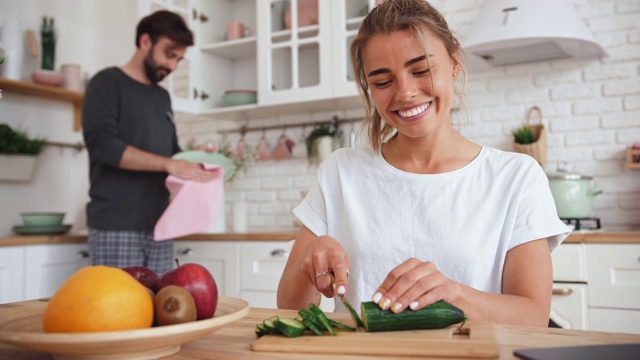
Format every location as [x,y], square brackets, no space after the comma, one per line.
[531,139]
[18,154]
[323,140]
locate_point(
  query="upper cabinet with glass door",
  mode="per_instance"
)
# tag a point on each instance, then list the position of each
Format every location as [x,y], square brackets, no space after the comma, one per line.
[217,63]
[306,57]
[347,17]
[294,47]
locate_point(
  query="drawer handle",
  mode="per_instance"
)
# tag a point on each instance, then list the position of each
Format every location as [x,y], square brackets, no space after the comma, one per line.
[565,291]
[279,253]
[82,254]
[185,251]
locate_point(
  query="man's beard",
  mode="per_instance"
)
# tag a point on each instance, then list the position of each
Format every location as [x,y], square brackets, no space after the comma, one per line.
[154,73]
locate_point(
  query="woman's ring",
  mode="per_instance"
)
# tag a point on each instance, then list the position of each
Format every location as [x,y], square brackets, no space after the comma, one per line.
[322,273]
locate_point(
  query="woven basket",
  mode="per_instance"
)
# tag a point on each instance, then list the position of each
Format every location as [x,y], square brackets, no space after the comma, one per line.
[537,149]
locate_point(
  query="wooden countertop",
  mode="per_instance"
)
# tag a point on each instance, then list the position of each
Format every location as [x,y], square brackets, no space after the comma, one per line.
[234,340]
[591,236]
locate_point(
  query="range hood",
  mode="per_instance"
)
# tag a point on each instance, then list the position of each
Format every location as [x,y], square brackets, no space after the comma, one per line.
[509,32]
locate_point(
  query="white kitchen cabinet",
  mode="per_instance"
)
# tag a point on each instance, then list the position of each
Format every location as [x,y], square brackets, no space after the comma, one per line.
[570,306]
[213,65]
[11,274]
[614,320]
[261,266]
[221,258]
[307,62]
[569,301]
[47,267]
[614,286]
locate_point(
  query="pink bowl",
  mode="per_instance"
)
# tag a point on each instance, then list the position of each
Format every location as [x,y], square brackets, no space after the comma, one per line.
[47,77]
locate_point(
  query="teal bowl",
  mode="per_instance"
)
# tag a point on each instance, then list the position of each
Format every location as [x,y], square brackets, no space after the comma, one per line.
[42,218]
[239,97]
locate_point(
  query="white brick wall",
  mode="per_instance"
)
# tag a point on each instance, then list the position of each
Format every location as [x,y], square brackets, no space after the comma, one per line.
[591,109]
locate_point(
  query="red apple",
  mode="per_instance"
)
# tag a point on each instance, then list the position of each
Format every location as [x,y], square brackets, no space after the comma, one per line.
[198,280]
[145,276]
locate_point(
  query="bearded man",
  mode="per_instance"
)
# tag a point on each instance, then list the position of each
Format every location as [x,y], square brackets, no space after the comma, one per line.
[130,135]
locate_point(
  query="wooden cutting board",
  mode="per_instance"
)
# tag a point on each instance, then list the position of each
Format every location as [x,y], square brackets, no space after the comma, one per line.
[478,342]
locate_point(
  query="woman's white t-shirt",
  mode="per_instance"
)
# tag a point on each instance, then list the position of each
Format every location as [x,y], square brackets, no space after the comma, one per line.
[464,221]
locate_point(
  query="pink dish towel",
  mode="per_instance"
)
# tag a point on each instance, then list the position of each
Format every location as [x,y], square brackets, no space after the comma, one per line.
[194,206]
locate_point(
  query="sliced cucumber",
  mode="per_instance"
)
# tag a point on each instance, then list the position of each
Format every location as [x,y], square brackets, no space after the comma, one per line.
[290,327]
[336,323]
[311,321]
[269,323]
[315,309]
[354,315]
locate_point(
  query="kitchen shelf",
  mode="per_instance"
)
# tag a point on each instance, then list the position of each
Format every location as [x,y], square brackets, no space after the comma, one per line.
[47,92]
[233,49]
[633,158]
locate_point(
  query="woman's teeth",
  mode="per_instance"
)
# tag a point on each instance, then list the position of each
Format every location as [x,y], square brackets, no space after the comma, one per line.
[414,111]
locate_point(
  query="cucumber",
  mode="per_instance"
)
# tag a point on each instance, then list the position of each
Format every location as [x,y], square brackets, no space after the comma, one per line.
[435,316]
[354,315]
[310,321]
[290,327]
[315,309]
[338,324]
[269,323]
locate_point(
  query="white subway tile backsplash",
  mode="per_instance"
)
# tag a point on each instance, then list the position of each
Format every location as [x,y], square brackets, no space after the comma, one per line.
[619,120]
[574,91]
[631,102]
[597,106]
[590,138]
[574,123]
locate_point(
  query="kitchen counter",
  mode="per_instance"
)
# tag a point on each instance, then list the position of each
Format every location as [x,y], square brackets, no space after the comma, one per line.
[234,340]
[583,236]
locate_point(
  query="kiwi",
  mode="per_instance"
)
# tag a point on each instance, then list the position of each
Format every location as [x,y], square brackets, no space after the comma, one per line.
[174,305]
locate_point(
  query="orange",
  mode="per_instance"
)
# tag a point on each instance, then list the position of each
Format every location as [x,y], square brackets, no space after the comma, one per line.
[99,298]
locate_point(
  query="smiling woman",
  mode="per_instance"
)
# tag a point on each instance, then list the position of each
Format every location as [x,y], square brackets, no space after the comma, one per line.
[389,216]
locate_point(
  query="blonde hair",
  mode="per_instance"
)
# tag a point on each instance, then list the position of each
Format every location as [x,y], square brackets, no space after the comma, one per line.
[384,19]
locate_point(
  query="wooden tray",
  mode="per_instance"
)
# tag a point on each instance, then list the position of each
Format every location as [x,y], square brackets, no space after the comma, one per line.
[478,342]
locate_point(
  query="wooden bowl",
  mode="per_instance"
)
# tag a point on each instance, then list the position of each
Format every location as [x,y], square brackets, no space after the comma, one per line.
[22,326]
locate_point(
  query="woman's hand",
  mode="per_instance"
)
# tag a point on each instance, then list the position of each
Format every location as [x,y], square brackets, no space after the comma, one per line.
[414,284]
[321,258]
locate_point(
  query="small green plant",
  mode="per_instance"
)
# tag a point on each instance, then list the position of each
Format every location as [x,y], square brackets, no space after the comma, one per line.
[524,135]
[17,142]
[1,60]
[322,130]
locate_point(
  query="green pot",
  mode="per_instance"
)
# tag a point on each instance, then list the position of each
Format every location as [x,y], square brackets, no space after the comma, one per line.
[573,195]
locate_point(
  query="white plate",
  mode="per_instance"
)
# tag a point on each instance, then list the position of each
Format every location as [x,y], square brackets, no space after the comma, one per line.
[22,326]
[199,156]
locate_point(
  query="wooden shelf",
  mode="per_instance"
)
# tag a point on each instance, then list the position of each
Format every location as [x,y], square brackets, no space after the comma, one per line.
[633,158]
[47,92]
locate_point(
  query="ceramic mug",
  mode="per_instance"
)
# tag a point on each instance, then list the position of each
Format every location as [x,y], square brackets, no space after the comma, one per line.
[237,30]
[72,77]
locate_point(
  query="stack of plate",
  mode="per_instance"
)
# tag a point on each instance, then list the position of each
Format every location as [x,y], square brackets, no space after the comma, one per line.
[42,223]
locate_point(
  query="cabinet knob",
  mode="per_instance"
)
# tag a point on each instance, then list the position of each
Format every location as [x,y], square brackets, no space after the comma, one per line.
[279,253]
[564,292]
[185,251]
[82,254]
[199,16]
[202,95]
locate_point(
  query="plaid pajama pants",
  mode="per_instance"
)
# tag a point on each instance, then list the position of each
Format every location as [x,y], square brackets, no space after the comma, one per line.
[130,248]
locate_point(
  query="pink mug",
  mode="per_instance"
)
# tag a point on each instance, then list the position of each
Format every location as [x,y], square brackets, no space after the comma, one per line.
[237,30]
